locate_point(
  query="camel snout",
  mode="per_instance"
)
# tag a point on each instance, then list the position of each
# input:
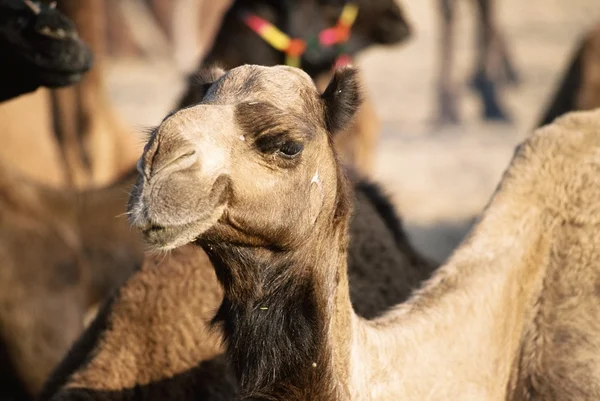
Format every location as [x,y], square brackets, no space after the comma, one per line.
[163,158]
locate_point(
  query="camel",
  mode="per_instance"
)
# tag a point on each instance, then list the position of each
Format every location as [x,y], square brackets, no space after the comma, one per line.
[53,253]
[128,350]
[493,63]
[40,47]
[62,253]
[76,138]
[580,85]
[378,22]
[509,316]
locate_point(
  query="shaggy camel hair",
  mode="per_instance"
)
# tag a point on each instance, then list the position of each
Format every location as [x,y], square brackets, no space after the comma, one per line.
[39,47]
[76,138]
[580,86]
[62,252]
[493,63]
[379,22]
[129,351]
[510,316]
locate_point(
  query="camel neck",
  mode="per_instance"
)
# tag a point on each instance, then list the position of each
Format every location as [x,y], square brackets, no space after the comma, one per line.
[459,337]
[279,311]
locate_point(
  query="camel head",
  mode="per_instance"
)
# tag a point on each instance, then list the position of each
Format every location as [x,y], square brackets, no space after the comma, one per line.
[40,47]
[377,22]
[251,164]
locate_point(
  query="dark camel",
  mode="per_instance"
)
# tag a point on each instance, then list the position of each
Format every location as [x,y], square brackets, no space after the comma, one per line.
[39,47]
[76,138]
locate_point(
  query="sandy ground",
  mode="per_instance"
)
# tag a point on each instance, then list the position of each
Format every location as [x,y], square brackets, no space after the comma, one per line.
[440,179]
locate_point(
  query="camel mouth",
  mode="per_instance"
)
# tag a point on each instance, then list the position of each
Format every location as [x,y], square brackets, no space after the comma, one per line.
[166,237]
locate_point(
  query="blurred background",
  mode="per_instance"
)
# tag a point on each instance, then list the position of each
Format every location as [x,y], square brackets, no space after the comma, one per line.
[440,177]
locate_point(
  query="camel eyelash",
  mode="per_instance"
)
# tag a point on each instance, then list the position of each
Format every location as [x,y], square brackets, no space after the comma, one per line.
[273,142]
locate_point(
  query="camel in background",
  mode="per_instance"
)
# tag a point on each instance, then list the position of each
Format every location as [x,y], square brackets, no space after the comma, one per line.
[76,138]
[493,67]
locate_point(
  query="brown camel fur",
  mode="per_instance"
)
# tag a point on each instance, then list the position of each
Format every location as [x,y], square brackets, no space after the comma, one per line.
[129,352]
[75,138]
[493,62]
[510,316]
[62,252]
[580,86]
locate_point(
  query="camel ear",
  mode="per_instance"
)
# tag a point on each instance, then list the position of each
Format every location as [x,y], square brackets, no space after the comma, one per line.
[198,84]
[342,99]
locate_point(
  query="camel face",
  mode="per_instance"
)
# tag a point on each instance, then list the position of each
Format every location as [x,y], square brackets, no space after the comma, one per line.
[251,163]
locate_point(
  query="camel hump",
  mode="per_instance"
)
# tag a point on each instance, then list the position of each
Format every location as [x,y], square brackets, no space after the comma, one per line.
[558,168]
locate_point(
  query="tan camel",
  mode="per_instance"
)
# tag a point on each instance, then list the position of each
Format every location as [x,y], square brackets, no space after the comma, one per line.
[62,252]
[75,138]
[130,346]
[579,88]
[510,316]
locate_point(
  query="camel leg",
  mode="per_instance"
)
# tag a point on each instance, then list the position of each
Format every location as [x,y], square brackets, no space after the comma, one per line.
[163,12]
[446,102]
[483,82]
[87,123]
[210,15]
[120,41]
[508,72]
[503,71]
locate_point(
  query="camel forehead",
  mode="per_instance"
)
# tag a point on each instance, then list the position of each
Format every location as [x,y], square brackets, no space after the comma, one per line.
[286,87]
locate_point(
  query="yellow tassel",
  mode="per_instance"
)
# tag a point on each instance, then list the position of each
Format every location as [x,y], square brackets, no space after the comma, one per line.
[276,38]
[349,14]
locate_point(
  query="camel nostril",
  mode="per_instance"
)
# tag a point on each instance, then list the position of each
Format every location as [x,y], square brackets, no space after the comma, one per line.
[173,161]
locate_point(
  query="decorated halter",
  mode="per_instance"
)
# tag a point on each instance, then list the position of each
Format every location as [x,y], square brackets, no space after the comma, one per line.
[294,48]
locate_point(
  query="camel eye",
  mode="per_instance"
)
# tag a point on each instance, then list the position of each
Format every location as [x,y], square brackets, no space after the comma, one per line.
[291,148]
